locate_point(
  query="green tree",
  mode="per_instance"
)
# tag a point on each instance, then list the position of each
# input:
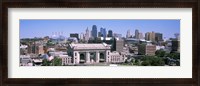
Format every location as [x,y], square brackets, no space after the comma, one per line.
[57,61]
[45,62]
[132,62]
[160,53]
[153,61]
[137,62]
[174,55]
[145,63]
[157,62]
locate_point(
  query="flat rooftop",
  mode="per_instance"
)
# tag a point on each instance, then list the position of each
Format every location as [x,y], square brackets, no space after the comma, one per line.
[89,46]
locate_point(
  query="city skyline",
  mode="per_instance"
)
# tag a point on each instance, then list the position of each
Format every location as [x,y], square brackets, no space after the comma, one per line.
[41,28]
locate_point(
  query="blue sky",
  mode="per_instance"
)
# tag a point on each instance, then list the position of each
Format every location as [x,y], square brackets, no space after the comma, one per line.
[41,28]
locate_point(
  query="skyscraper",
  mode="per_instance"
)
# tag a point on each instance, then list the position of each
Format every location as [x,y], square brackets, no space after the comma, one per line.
[99,34]
[94,31]
[128,34]
[110,33]
[103,32]
[147,36]
[87,35]
[81,36]
[150,36]
[158,37]
[140,36]
[137,34]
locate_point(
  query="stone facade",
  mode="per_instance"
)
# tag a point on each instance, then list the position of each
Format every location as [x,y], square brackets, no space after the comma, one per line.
[89,53]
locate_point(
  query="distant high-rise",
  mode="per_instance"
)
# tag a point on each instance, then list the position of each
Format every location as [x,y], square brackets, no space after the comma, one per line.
[176,45]
[150,36]
[81,36]
[147,36]
[74,35]
[94,31]
[158,37]
[141,36]
[117,35]
[87,34]
[128,34]
[137,34]
[99,34]
[110,33]
[118,45]
[103,33]
[177,36]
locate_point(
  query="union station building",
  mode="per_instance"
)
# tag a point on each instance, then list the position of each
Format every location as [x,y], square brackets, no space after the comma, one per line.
[93,53]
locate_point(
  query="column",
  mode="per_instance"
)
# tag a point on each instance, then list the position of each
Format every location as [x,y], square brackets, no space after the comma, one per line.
[74,60]
[87,57]
[97,56]
[105,56]
[77,57]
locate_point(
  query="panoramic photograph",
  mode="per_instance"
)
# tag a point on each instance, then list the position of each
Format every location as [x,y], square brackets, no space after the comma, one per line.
[96,42]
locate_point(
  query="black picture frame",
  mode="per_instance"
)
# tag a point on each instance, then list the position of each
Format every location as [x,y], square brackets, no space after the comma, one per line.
[194,4]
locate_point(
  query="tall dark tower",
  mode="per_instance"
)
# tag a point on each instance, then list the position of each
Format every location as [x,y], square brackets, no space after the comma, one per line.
[137,34]
[94,31]
[110,33]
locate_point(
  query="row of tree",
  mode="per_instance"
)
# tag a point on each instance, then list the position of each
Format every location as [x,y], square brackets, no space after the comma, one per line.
[152,61]
[161,58]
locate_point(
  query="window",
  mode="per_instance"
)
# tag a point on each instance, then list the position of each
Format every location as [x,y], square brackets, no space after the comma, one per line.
[75,54]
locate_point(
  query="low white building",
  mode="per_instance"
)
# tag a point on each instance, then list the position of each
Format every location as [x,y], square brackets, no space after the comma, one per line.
[115,57]
[160,47]
[25,60]
[57,53]
[66,60]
